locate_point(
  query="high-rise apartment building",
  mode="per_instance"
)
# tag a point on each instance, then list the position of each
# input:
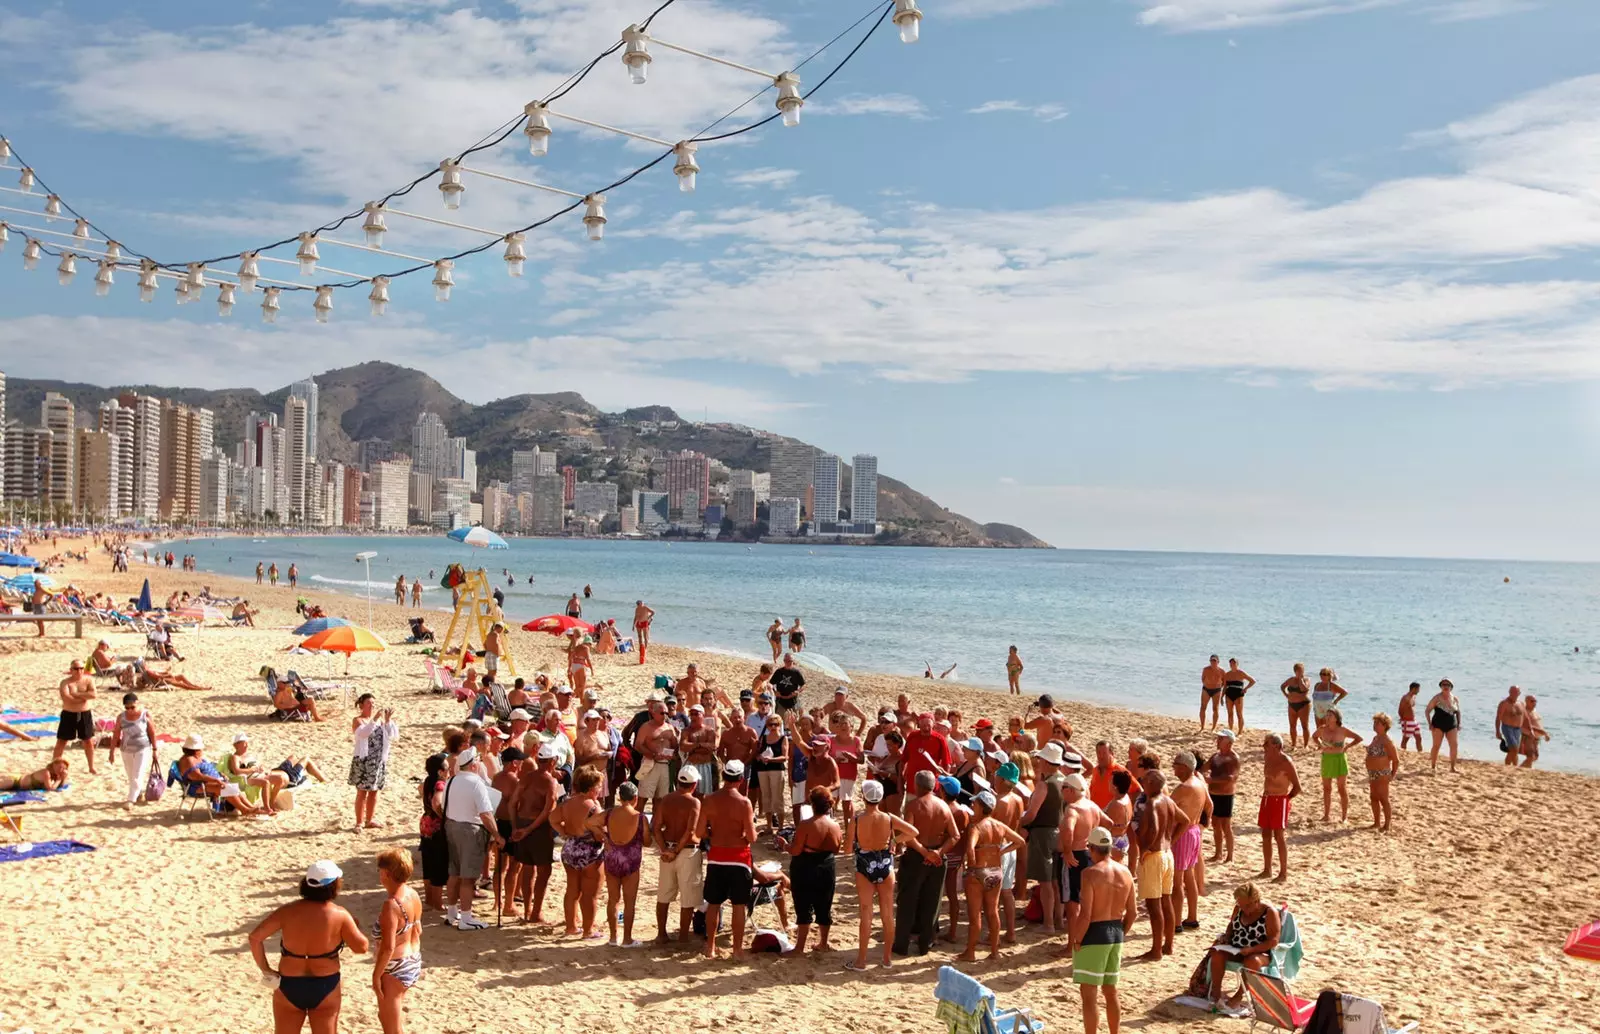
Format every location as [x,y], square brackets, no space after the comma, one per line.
[523,469]
[594,499]
[147,416]
[742,506]
[27,463]
[452,500]
[354,485]
[792,467]
[429,445]
[370,451]
[497,506]
[296,433]
[783,515]
[59,417]
[759,484]
[548,506]
[544,463]
[627,519]
[307,390]
[651,509]
[215,478]
[419,496]
[687,482]
[863,489]
[569,481]
[95,493]
[117,420]
[825,477]
[391,486]
[186,434]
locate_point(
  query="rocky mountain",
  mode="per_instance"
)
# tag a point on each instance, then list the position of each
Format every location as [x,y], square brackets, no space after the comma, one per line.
[381,400]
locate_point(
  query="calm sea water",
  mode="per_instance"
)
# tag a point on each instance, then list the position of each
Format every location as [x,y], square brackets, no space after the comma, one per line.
[1130,629]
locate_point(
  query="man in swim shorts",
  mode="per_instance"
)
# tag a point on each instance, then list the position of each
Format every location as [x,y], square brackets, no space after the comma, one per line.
[1105,916]
[682,879]
[1194,807]
[1222,773]
[727,820]
[1280,785]
[642,616]
[1156,866]
[1508,721]
[1409,726]
[76,722]
[1211,679]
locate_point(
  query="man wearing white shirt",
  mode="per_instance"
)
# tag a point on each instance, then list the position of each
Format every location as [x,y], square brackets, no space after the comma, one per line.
[757,720]
[469,806]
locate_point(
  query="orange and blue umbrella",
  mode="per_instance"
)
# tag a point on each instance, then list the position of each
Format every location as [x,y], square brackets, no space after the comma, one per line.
[346,639]
[316,625]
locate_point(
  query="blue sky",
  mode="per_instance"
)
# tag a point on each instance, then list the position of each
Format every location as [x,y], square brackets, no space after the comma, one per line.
[1260,275]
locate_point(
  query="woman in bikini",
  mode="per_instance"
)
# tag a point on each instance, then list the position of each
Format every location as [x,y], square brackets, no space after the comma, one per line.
[1014,672]
[1444,718]
[1119,811]
[50,777]
[797,637]
[1383,763]
[811,872]
[1296,689]
[397,959]
[580,853]
[622,831]
[307,977]
[580,663]
[987,841]
[1335,740]
[871,834]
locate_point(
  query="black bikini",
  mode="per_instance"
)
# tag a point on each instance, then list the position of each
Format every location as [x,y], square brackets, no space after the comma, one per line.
[307,992]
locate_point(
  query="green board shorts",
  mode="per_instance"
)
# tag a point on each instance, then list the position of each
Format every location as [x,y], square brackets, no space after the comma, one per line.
[1098,961]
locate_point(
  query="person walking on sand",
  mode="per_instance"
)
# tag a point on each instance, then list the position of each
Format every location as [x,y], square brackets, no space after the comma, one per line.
[374,733]
[728,828]
[135,735]
[1156,866]
[416,593]
[1509,718]
[1532,731]
[1014,672]
[1407,711]
[1235,683]
[397,953]
[674,829]
[294,576]
[642,616]
[1222,773]
[1296,690]
[1280,785]
[272,573]
[1106,916]
[76,721]
[1211,677]
[1383,762]
[400,591]
[1444,718]
[775,638]
[1335,741]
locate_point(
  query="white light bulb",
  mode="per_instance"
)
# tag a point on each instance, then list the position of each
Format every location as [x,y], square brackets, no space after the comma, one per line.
[450,184]
[684,166]
[270,306]
[181,291]
[380,295]
[374,226]
[908,19]
[30,254]
[147,280]
[443,279]
[197,277]
[636,56]
[323,306]
[307,254]
[249,271]
[113,250]
[25,180]
[594,216]
[52,207]
[103,278]
[67,269]
[80,229]
[789,99]
[5,149]
[5,234]
[515,255]
[537,129]
[225,299]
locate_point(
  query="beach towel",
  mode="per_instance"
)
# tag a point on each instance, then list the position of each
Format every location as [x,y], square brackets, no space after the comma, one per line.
[16,717]
[25,797]
[41,849]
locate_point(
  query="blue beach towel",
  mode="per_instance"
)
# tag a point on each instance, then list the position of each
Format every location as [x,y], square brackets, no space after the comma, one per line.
[41,849]
[25,797]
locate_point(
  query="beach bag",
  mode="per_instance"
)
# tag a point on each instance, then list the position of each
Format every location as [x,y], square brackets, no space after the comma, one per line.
[156,784]
[1033,912]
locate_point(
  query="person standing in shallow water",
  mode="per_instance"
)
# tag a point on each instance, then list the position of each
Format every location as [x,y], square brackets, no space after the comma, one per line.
[1014,672]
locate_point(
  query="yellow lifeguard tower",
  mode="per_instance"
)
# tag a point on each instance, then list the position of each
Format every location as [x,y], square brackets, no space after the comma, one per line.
[476,611]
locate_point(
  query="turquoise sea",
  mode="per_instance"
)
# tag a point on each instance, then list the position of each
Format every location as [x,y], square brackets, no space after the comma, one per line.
[1130,629]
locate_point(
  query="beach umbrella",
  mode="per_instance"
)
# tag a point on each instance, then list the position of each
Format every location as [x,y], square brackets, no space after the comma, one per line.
[316,625]
[201,612]
[557,624]
[1584,942]
[17,560]
[346,639]
[817,662]
[478,536]
[24,583]
[144,605]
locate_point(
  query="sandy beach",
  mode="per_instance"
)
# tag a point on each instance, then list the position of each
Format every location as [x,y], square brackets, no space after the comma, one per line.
[1455,919]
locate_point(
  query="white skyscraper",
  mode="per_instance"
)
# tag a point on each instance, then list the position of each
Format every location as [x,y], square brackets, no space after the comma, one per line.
[307,389]
[864,489]
[297,433]
[117,420]
[783,515]
[429,445]
[60,418]
[825,479]
[147,416]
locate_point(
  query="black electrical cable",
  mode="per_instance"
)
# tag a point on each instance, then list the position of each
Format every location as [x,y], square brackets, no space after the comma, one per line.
[76,214]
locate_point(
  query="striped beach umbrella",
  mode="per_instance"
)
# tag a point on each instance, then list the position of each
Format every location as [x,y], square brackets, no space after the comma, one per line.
[316,625]
[200,612]
[1584,942]
[478,536]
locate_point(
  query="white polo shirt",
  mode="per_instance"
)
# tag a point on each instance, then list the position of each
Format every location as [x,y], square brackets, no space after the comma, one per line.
[467,796]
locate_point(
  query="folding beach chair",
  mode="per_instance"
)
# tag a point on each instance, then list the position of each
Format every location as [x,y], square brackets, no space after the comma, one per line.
[251,791]
[1365,1016]
[193,795]
[1274,1004]
[967,1007]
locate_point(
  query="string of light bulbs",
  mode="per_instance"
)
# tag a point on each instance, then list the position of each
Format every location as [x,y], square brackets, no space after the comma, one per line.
[191,278]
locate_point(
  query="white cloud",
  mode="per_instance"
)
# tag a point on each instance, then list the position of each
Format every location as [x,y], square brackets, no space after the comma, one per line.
[988,8]
[1203,15]
[1047,112]
[778,179]
[899,104]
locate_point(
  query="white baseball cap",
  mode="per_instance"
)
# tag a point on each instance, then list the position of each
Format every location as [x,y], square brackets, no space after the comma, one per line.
[733,769]
[320,874]
[689,775]
[548,751]
[466,757]
[872,791]
[519,715]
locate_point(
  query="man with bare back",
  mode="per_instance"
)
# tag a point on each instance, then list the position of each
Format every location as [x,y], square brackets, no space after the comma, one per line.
[1156,868]
[533,839]
[1194,808]
[728,824]
[673,830]
[1107,913]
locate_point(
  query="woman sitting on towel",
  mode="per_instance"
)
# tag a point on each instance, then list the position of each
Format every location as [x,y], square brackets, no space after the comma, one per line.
[51,777]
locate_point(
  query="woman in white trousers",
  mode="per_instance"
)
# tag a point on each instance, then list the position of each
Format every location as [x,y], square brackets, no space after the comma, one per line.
[135,736]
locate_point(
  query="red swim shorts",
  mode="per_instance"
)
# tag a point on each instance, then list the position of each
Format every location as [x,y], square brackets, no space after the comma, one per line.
[1274,813]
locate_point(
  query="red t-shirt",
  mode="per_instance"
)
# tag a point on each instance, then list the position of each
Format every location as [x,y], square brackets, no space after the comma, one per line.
[1101,791]
[931,743]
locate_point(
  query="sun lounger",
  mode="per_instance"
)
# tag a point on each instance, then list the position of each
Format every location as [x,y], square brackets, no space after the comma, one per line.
[967,1007]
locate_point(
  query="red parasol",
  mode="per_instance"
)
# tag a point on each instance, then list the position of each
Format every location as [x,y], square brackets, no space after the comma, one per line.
[1584,943]
[557,624]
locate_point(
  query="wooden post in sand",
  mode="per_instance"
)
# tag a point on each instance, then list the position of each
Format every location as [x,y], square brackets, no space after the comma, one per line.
[475,610]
